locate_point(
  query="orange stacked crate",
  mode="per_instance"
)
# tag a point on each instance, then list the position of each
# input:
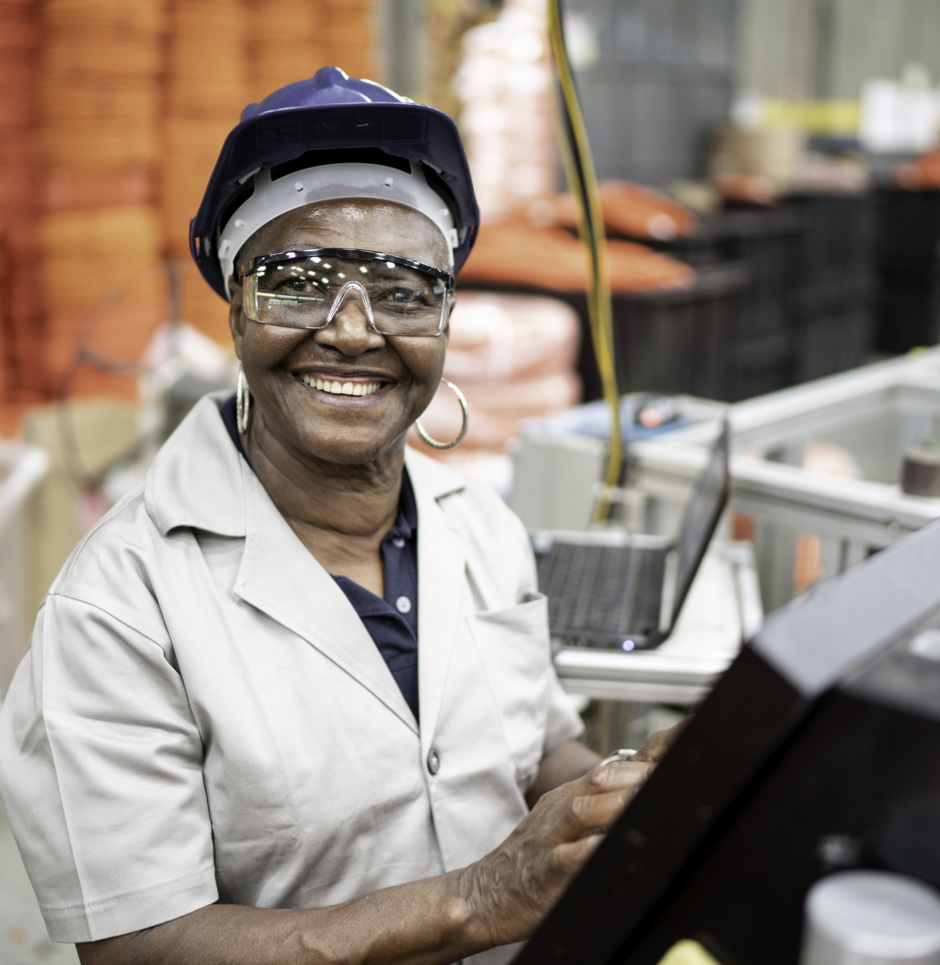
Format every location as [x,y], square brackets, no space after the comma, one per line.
[115,298]
[283,46]
[350,36]
[99,99]
[207,86]
[19,311]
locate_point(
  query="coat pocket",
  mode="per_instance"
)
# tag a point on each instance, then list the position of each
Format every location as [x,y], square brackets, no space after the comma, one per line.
[516,652]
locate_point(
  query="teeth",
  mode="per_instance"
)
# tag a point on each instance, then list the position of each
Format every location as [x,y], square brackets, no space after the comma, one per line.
[342,388]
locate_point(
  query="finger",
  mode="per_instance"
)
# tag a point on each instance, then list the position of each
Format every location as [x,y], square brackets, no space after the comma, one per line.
[590,814]
[630,773]
[658,743]
[567,858]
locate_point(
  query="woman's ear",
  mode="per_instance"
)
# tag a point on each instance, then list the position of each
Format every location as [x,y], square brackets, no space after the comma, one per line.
[236,315]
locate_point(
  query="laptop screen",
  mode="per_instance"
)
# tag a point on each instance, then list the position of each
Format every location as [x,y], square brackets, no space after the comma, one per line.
[701,516]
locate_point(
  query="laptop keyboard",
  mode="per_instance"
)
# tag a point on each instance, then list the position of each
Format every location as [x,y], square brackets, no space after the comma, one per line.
[601,595]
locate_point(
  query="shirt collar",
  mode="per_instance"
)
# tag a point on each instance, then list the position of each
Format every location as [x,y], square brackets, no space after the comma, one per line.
[198,478]
[406,522]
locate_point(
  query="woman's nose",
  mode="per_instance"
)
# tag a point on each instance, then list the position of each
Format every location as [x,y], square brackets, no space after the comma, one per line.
[350,330]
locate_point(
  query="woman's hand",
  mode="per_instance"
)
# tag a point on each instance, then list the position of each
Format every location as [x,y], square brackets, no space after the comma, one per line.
[512,887]
[659,742]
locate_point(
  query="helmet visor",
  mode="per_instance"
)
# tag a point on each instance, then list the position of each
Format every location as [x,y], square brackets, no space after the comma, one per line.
[304,288]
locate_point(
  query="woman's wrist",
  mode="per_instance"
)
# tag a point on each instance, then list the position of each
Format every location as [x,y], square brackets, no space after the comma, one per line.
[471,911]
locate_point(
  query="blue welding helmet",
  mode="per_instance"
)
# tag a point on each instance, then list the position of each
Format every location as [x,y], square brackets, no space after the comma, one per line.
[332,136]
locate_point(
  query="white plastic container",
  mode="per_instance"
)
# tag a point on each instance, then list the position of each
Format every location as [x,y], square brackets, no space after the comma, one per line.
[871,918]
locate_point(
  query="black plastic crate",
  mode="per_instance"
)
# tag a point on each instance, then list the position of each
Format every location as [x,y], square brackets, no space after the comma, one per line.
[908,230]
[761,364]
[908,309]
[833,327]
[839,237]
[702,249]
[673,341]
[767,244]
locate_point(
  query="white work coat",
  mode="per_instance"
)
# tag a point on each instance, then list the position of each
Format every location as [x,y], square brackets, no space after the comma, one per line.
[202,715]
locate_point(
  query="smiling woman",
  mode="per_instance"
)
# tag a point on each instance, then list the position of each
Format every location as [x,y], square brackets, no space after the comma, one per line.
[293,699]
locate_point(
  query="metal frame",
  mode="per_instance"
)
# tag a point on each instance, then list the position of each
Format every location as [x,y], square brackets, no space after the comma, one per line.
[854,517]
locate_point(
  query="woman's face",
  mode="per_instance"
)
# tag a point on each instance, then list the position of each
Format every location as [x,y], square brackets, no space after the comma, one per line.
[399,376]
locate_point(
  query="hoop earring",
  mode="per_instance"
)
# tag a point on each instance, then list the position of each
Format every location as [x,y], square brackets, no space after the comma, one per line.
[433,443]
[242,402]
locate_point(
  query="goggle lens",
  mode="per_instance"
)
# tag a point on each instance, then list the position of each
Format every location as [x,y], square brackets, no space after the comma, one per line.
[303,289]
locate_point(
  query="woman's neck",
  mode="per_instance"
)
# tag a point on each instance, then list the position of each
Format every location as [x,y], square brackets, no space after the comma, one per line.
[340,512]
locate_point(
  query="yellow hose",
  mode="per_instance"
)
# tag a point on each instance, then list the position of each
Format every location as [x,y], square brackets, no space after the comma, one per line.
[582,182]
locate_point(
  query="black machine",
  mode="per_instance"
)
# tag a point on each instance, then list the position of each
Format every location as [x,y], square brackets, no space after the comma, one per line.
[817,751]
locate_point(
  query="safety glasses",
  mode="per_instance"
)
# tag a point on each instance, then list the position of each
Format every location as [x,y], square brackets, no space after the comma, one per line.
[305,288]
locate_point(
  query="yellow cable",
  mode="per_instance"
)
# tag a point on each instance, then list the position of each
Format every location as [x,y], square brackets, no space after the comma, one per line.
[576,156]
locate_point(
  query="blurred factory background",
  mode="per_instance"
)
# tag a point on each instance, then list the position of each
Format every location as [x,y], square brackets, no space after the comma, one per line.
[770,189]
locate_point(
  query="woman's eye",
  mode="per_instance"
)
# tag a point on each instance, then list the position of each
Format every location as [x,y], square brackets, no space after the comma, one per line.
[405,297]
[298,285]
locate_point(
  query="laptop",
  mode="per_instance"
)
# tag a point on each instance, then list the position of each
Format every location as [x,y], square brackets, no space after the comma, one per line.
[612,590]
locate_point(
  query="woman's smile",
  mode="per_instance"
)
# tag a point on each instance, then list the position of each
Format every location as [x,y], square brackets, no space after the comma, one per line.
[336,387]
[346,387]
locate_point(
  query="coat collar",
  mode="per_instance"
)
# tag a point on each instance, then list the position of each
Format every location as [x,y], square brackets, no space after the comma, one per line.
[199,480]
[442,584]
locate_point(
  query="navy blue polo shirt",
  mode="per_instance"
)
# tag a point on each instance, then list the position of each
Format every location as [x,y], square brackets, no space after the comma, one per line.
[392,620]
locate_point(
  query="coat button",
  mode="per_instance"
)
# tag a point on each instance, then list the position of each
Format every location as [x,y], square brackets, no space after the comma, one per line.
[434,761]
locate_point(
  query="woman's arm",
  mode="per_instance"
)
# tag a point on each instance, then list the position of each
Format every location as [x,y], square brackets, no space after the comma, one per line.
[567,762]
[495,901]
[571,759]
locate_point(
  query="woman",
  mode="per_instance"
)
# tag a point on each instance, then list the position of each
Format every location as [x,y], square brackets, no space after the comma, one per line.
[225,743]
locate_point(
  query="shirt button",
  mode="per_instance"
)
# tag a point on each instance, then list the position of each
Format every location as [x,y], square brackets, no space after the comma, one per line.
[403,604]
[398,542]
[434,761]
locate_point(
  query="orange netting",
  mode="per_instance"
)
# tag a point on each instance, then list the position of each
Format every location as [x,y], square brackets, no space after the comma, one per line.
[922,173]
[518,253]
[629,209]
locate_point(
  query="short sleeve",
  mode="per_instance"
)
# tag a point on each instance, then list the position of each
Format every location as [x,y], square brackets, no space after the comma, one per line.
[563,723]
[101,776]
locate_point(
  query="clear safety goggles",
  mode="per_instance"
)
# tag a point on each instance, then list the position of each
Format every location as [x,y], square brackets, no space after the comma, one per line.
[305,288]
